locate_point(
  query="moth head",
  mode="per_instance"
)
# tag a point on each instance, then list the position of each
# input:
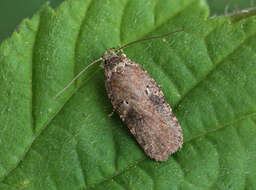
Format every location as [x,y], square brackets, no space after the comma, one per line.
[110,59]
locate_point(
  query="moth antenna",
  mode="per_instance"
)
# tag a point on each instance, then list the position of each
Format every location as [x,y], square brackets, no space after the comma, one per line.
[76,77]
[150,38]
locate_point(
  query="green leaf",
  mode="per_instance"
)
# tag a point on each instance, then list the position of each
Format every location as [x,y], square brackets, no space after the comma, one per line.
[207,73]
[221,7]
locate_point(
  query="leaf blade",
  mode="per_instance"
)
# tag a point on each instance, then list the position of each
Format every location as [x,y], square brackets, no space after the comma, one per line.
[80,147]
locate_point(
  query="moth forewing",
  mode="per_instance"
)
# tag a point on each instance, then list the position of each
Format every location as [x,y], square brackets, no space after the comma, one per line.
[141,104]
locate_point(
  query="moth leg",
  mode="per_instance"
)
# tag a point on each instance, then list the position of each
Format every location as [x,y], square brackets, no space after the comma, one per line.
[102,65]
[111,114]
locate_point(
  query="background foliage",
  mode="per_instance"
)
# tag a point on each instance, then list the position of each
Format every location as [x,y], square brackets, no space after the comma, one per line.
[13,11]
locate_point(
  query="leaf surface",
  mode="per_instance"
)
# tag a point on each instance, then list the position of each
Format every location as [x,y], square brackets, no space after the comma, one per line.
[207,73]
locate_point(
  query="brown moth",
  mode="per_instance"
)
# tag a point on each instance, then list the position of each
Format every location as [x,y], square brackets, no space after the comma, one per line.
[140,103]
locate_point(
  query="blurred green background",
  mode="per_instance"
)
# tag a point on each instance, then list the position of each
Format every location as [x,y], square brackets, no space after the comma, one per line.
[13,11]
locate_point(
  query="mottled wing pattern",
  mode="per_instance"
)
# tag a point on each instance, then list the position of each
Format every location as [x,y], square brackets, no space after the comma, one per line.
[142,106]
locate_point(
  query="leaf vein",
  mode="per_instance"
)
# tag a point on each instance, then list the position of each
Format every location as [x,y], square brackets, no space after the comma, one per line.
[189,140]
[32,100]
[212,70]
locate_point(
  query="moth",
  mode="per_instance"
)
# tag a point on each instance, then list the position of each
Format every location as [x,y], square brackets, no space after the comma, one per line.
[140,103]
